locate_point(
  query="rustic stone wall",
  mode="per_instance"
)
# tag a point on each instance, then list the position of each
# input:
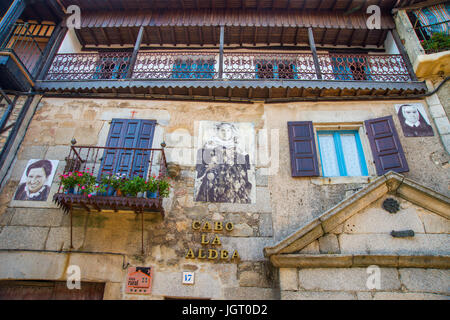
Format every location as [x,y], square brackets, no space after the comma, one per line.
[350,284]
[282,203]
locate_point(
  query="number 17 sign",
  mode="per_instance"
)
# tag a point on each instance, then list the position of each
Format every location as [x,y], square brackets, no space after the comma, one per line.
[188,277]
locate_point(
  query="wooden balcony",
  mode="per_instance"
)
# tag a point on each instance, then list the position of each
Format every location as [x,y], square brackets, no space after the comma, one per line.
[241,76]
[21,53]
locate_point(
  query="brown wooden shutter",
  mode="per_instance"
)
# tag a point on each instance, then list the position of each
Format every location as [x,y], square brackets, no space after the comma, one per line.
[386,148]
[303,149]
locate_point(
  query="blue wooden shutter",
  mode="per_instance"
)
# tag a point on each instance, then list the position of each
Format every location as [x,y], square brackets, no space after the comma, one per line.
[386,148]
[127,134]
[303,150]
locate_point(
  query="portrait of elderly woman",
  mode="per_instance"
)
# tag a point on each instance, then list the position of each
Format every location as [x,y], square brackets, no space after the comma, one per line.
[36,181]
[224,171]
[414,120]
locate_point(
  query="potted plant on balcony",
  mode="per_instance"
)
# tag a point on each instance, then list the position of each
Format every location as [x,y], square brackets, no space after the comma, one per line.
[69,182]
[151,187]
[86,182]
[114,184]
[132,187]
[163,186]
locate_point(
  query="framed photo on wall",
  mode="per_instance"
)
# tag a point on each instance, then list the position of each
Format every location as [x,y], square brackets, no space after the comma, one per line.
[414,120]
[36,180]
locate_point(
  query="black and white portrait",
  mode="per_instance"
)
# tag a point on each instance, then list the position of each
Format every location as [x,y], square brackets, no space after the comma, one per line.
[414,120]
[224,167]
[36,180]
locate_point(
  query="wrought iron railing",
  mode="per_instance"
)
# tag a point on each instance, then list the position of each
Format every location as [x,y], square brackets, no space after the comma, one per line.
[434,37]
[176,65]
[129,162]
[388,68]
[90,66]
[236,66]
[27,41]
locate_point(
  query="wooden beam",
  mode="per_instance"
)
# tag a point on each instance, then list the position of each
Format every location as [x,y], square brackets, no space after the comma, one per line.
[102,30]
[255,35]
[314,53]
[147,35]
[137,45]
[186,34]
[222,37]
[296,36]
[174,37]
[350,39]
[366,36]
[337,37]
[120,36]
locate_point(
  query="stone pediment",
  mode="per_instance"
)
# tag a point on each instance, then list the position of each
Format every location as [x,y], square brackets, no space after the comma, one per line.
[359,231]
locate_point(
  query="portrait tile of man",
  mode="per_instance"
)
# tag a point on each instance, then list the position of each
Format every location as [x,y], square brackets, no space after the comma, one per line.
[36,180]
[414,120]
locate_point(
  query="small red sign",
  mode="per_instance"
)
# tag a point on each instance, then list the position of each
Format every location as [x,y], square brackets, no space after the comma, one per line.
[139,280]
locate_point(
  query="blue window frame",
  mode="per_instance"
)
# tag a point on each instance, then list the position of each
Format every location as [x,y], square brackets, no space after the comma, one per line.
[341,154]
[350,68]
[278,70]
[193,69]
[112,68]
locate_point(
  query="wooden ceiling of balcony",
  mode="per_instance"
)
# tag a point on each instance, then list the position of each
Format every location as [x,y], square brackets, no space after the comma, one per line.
[333,5]
[242,27]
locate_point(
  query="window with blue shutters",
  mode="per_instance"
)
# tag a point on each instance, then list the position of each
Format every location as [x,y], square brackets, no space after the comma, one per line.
[124,136]
[350,68]
[193,69]
[341,154]
[276,70]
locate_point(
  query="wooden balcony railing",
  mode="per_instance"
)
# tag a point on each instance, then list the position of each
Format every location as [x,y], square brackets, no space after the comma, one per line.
[236,66]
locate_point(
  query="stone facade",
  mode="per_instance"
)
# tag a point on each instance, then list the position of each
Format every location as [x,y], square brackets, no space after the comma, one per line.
[105,243]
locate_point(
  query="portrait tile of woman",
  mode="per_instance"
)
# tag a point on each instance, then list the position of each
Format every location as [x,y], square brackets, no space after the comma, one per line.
[414,120]
[224,172]
[36,180]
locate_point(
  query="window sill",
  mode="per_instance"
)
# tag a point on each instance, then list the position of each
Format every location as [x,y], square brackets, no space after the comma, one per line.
[341,180]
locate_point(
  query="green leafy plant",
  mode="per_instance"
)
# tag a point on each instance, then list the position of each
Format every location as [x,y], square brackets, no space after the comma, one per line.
[86,182]
[164,187]
[116,181]
[438,42]
[69,180]
[151,185]
[133,186]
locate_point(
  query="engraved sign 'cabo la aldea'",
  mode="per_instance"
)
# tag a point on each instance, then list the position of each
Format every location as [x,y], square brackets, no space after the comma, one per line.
[209,237]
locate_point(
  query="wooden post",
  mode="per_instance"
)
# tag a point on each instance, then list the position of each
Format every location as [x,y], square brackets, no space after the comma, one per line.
[49,56]
[137,45]
[142,236]
[401,48]
[222,37]
[9,19]
[312,44]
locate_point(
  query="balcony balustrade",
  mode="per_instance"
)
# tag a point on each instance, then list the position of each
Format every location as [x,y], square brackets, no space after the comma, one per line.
[236,66]
[112,161]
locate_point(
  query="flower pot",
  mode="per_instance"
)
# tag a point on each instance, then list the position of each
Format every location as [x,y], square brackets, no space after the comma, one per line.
[151,195]
[110,191]
[119,193]
[140,194]
[71,190]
